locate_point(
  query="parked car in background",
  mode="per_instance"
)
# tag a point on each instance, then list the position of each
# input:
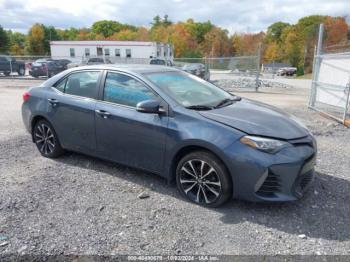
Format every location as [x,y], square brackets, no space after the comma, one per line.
[215,145]
[90,61]
[197,69]
[98,61]
[160,61]
[45,67]
[9,64]
[287,71]
[63,62]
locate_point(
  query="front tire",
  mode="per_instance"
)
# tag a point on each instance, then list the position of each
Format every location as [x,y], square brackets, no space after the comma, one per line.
[46,140]
[203,179]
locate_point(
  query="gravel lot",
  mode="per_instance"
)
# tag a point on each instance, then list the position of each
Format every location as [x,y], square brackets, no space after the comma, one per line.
[80,205]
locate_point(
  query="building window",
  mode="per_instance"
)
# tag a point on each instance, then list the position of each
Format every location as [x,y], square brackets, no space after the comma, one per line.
[117,52]
[128,52]
[87,51]
[106,51]
[72,52]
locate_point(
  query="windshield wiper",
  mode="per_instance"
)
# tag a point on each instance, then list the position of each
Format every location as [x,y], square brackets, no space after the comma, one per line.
[227,101]
[200,107]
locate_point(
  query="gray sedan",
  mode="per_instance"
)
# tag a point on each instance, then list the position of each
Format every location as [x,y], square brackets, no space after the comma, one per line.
[215,145]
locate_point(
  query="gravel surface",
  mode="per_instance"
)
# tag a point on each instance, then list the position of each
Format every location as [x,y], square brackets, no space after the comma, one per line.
[80,205]
[247,83]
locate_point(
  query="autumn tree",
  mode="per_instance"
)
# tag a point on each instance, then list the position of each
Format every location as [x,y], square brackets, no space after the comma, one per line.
[216,43]
[185,44]
[142,34]
[336,30]
[35,43]
[126,35]
[272,52]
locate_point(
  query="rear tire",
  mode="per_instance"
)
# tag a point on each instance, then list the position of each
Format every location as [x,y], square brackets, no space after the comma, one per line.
[203,179]
[46,140]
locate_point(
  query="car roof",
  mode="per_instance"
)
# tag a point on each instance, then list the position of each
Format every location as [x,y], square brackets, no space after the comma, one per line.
[132,68]
[127,68]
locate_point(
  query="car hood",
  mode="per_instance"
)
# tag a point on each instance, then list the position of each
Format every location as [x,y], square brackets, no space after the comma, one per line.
[255,118]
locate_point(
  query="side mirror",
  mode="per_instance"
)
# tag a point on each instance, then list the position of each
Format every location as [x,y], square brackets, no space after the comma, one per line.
[149,106]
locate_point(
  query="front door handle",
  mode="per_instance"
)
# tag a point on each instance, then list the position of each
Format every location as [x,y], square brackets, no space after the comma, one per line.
[53,101]
[103,113]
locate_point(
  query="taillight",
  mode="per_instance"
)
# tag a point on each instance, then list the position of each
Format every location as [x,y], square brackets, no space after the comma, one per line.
[26,96]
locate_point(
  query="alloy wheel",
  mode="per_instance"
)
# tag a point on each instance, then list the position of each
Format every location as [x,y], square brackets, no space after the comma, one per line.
[44,138]
[200,181]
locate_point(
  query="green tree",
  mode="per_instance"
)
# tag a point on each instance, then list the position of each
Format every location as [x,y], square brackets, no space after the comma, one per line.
[17,42]
[4,40]
[158,21]
[198,30]
[50,34]
[107,28]
[274,31]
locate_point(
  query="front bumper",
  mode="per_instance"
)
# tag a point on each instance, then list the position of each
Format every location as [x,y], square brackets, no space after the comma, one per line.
[285,176]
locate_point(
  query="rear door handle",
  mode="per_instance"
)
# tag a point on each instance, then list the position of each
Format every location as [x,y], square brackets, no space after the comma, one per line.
[103,113]
[53,101]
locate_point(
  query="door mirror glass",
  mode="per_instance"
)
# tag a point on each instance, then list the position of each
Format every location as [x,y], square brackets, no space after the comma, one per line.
[149,106]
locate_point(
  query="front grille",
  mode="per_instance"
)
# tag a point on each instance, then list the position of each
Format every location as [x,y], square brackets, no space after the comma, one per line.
[271,185]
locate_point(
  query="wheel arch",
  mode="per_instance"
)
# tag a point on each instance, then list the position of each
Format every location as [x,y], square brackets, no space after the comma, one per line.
[187,149]
[34,120]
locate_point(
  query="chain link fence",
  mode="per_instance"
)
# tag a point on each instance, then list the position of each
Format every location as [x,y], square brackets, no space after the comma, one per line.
[330,89]
[230,72]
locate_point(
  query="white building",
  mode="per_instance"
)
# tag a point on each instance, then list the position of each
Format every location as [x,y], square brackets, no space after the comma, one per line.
[77,50]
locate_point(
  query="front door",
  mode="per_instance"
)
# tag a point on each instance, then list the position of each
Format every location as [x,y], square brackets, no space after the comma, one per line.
[125,135]
[72,110]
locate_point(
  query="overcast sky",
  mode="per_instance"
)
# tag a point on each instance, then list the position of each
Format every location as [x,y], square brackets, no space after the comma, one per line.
[234,15]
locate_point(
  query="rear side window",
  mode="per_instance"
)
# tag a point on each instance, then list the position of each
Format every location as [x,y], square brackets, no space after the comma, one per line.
[125,90]
[80,84]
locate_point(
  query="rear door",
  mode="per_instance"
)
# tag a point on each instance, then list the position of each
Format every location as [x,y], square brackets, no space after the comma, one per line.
[123,134]
[72,110]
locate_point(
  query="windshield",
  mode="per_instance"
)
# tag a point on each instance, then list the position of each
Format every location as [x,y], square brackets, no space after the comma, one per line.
[188,90]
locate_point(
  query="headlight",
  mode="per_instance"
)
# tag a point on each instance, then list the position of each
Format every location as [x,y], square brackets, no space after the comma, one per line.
[264,144]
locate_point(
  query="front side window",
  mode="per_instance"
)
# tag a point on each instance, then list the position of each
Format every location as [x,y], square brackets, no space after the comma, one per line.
[106,51]
[188,90]
[128,52]
[61,85]
[82,84]
[125,90]
[72,52]
[117,52]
